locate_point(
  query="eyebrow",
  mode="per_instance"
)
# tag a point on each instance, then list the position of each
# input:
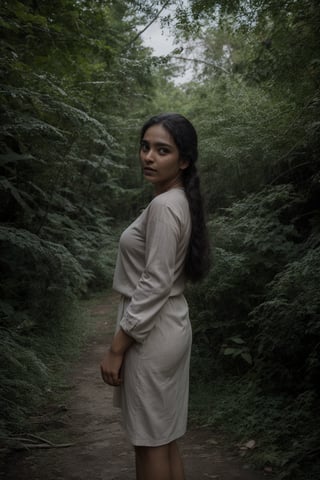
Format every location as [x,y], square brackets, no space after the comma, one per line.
[157,144]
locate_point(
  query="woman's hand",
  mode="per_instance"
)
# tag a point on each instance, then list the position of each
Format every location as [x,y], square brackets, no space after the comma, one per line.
[110,368]
[111,364]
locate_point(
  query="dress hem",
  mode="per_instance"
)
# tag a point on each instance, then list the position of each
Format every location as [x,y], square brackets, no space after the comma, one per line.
[157,443]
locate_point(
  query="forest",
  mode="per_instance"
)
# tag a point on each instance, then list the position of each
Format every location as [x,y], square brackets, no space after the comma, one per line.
[77,83]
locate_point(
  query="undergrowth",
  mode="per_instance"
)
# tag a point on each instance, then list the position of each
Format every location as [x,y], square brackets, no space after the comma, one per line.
[33,369]
[285,429]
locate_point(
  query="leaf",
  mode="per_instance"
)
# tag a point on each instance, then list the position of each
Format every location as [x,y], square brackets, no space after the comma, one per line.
[247,357]
[237,340]
[250,444]
[230,351]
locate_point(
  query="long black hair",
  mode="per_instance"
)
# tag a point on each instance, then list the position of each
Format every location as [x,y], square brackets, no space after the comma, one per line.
[185,138]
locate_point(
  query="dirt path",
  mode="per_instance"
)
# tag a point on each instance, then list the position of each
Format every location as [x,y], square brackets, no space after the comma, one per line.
[100,450]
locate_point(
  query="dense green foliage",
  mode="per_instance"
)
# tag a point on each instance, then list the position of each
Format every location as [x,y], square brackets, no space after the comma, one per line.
[256,317]
[69,80]
[76,83]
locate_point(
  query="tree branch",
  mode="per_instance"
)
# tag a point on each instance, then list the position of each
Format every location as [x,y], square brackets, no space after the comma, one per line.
[32,441]
[145,28]
[196,60]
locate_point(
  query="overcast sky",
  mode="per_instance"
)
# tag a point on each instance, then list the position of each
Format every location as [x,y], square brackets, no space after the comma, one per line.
[162,43]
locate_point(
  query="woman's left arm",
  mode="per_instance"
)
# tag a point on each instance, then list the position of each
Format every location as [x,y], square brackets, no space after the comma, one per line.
[163,232]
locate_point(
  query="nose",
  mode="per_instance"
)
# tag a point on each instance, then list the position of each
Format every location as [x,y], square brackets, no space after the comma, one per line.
[148,156]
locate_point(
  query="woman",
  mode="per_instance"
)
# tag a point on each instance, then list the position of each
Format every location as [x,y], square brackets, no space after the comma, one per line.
[150,353]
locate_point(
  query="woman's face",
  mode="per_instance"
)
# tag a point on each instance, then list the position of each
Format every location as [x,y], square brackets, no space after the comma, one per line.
[160,159]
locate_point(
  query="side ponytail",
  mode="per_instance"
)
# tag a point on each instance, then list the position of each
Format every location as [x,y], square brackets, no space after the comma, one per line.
[182,131]
[197,262]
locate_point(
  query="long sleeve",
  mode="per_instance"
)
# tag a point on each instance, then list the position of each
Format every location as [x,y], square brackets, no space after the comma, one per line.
[163,233]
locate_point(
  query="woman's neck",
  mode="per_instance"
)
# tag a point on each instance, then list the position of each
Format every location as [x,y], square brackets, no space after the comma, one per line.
[175,183]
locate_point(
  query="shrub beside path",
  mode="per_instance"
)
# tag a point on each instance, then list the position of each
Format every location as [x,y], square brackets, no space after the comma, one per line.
[99,450]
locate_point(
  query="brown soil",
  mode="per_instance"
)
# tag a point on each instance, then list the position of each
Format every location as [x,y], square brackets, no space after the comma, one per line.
[99,450]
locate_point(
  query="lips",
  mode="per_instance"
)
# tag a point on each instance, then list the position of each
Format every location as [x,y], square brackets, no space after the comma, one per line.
[149,171]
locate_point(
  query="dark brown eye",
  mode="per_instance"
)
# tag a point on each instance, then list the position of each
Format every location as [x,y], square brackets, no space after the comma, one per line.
[163,151]
[144,147]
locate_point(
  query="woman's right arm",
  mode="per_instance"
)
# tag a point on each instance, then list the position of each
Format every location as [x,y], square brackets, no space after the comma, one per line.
[111,364]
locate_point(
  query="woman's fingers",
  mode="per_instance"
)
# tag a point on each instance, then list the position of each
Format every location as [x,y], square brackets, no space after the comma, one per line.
[110,369]
[110,379]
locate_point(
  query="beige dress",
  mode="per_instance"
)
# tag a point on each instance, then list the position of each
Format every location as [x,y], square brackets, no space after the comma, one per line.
[153,311]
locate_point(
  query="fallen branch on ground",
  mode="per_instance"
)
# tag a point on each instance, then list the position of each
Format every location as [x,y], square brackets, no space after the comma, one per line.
[30,440]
